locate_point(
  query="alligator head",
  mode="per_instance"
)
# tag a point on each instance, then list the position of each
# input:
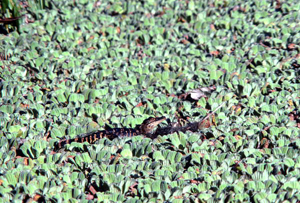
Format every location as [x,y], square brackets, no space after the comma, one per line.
[150,123]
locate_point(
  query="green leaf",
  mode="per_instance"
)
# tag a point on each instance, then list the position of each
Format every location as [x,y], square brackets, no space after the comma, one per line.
[14,128]
[86,158]
[156,186]
[126,151]
[289,162]
[39,61]
[249,132]
[202,102]
[291,185]
[158,156]
[147,188]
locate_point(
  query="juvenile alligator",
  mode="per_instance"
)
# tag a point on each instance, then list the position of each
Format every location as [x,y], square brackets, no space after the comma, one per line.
[145,128]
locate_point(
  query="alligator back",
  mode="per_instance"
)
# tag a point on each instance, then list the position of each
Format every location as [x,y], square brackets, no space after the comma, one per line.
[94,136]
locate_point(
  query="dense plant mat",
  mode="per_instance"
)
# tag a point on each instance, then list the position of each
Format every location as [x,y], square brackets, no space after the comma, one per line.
[75,67]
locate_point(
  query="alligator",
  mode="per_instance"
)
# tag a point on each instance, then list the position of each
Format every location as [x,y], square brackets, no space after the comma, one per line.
[146,128]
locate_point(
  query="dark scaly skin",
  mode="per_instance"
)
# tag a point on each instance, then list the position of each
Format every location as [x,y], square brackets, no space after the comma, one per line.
[193,127]
[145,128]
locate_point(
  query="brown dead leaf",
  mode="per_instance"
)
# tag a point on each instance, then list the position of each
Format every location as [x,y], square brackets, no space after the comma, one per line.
[237,109]
[195,182]
[89,197]
[139,104]
[184,41]
[92,190]
[24,105]
[91,48]
[118,30]
[265,142]
[293,116]
[181,178]
[26,161]
[91,37]
[36,197]
[291,103]
[215,53]
[212,143]
[292,46]
[133,188]
[181,19]
[234,130]
[212,27]
[233,74]
[237,137]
